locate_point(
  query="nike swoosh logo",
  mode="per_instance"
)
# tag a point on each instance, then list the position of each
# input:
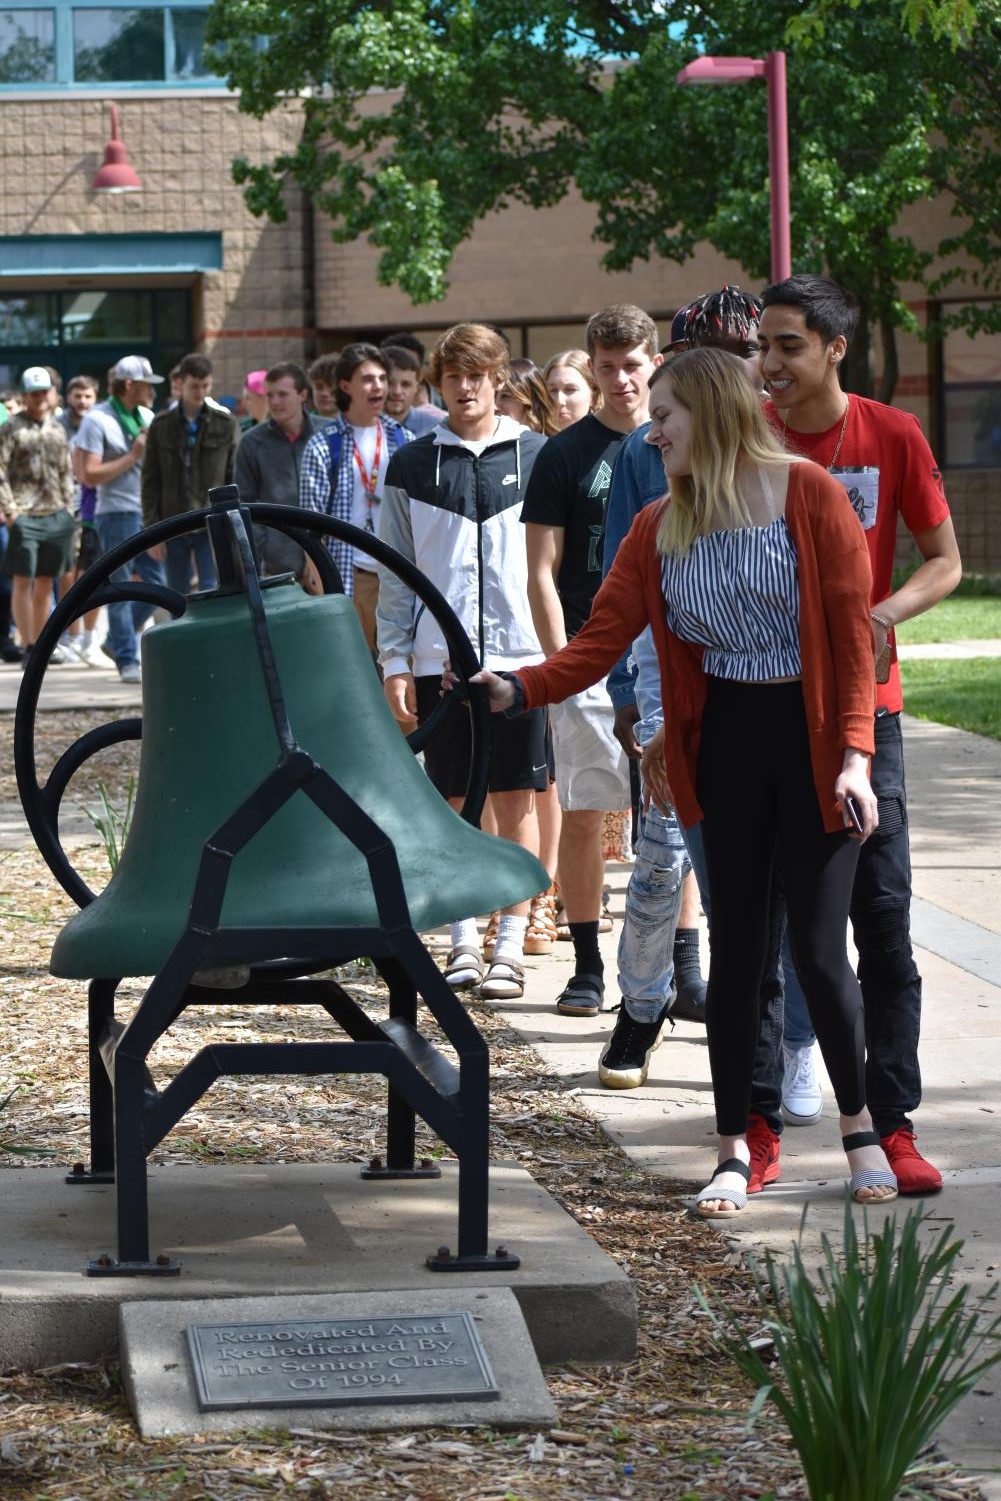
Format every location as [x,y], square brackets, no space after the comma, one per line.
[509,479]
[540,768]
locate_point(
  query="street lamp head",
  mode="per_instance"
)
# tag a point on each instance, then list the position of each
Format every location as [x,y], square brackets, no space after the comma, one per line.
[116,174]
[722,70]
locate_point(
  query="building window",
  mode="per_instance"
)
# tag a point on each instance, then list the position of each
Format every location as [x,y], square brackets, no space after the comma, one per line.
[27,46]
[83,332]
[117,46]
[971,401]
[80,45]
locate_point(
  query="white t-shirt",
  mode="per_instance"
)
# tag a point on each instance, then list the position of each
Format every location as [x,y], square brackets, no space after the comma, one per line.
[369,442]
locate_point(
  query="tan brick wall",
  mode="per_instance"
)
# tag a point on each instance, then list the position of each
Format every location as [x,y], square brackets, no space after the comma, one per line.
[247,316]
[520,265]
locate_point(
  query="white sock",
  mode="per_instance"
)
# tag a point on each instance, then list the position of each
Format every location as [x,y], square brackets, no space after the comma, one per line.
[464,934]
[86,639]
[511,938]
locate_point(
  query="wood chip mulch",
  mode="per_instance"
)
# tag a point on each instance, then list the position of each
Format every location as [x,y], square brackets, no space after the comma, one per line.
[668,1426]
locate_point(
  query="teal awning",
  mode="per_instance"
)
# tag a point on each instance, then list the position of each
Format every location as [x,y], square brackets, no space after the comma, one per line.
[104,255]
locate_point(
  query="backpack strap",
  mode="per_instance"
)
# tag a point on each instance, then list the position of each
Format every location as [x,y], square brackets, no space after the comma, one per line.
[334,445]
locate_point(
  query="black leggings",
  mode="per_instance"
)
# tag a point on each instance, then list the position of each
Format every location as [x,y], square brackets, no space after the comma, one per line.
[762,819]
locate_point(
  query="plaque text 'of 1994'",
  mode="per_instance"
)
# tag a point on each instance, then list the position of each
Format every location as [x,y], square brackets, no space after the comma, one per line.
[327,1363]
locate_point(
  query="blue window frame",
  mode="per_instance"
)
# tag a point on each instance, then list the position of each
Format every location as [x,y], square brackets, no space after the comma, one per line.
[135,43]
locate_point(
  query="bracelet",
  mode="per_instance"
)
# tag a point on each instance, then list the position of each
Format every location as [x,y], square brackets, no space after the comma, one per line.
[881,620]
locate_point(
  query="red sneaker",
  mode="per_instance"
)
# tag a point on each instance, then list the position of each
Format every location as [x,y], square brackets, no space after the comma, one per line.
[765,1146]
[914,1175]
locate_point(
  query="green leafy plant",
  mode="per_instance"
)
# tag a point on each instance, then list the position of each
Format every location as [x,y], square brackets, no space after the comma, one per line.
[870,1354]
[113,823]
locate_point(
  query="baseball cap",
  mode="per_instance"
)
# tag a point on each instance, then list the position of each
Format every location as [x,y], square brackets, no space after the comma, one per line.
[255,382]
[136,367]
[679,326]
[36,378]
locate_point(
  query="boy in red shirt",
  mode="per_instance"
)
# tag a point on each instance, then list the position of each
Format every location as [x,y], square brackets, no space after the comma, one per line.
[882,458]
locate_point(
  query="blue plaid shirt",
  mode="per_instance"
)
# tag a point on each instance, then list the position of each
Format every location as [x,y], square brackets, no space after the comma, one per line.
[317,493]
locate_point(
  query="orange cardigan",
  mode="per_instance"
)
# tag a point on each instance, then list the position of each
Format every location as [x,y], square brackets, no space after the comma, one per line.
[835,635]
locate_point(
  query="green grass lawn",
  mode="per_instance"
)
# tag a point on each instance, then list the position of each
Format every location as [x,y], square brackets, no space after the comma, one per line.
[954,620]
[966,694]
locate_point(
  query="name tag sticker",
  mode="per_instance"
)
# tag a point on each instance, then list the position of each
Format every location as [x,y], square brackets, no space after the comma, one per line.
[862,485]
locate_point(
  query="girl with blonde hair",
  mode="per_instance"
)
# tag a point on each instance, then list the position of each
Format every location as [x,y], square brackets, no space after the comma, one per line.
[754,576]
[572,387]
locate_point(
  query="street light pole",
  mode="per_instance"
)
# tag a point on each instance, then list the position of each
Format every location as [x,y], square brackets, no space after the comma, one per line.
[772,68]
[778,164]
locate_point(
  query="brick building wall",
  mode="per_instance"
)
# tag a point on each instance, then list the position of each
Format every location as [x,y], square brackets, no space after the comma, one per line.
[257,309]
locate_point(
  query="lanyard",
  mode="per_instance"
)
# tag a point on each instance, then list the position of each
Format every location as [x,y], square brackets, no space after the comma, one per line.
[370,481]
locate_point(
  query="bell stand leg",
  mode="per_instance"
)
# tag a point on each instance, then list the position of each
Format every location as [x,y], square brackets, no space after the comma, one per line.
[474,1181]
[131,1189]
[400,1116]
[100,1011]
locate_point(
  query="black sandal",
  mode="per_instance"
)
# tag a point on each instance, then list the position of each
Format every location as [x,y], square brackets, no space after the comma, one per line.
[582,996]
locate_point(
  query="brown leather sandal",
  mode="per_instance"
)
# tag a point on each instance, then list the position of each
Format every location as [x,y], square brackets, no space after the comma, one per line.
[541,932]
[490,936]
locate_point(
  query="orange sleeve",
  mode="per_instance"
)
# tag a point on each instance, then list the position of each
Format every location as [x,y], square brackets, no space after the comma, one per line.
[618,615]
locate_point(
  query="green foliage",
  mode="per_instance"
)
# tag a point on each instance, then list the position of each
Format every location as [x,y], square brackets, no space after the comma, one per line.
[113,823]
[958,618]
[965,693]
[871,1354]
[423,116]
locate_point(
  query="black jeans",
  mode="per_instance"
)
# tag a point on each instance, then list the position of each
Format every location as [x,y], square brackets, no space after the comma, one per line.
[881,923]
[761,820]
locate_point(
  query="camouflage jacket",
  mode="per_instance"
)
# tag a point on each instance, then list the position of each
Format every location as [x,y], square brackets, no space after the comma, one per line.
[36,476]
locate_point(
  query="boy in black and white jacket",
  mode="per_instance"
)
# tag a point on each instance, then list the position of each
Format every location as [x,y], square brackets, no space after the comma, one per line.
[452,505]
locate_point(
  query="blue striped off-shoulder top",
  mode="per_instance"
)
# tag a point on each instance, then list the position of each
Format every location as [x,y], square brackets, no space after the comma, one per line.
[737,594]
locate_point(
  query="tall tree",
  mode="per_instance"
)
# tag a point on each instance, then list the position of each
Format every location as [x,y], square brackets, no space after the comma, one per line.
[422,116]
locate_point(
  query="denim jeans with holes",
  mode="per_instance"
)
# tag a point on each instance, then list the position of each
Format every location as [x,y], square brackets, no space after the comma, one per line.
[653,902]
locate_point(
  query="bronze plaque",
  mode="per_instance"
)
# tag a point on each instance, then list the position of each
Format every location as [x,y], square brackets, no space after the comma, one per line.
[332,1363]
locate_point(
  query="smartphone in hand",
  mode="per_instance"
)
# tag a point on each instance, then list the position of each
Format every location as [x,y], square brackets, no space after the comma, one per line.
[854,814]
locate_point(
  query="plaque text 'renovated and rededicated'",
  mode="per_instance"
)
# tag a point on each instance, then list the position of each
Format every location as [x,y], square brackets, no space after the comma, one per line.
[327,1363]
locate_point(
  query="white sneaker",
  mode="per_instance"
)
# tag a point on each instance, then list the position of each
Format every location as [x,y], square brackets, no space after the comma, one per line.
[802,1101]
[129,673]
[73,647]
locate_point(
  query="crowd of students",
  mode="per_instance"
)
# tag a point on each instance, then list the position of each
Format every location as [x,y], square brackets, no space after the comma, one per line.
[679,558]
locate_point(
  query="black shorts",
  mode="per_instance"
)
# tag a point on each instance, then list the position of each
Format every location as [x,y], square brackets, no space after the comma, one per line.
[41,546]
[518,760]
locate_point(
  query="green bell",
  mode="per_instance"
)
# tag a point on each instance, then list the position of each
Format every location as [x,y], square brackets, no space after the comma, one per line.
[209,740]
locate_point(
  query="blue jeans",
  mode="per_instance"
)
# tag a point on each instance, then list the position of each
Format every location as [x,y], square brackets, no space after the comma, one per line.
[125,621]
[180,551]
[653,902]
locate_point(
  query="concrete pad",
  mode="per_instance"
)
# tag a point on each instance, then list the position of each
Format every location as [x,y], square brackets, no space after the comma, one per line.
[294,1229]
[157,1371]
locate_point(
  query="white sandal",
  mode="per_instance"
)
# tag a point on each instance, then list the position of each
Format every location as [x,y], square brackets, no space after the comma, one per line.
[735,1197]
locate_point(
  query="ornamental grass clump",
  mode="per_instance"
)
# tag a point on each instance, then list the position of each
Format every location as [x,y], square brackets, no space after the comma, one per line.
[113,823]
[870,1355]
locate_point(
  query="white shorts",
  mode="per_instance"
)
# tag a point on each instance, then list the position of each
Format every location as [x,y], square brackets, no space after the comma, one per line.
[592,769]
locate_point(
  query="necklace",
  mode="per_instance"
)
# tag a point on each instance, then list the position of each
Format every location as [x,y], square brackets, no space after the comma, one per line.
[841,435]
